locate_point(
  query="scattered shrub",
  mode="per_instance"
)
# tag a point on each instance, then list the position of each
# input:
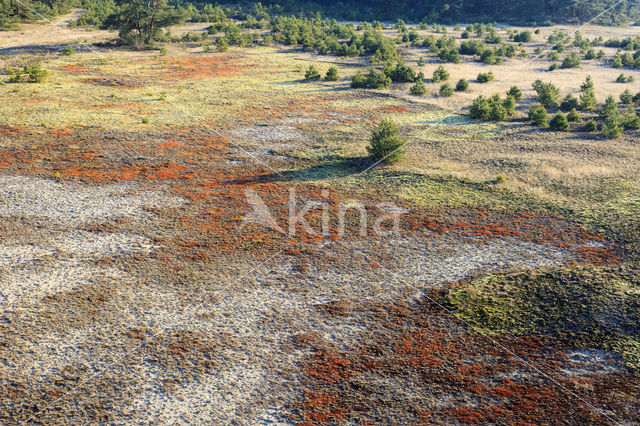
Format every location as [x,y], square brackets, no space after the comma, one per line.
[624,79]
[559,122]
[332,74]
[401,73]
[553,67]
[480,108]
[69,50]
[419,89]
[421,62]
[222,45]
[510,105]
[446,90]
[571,61]
[373,80]
[573,116]
[522,37]
[569,102]
[33,73]
[538,115]
[610,108]
[626,97]
[462,85]
[485,77]
[547,93]
[611,128]
[386,144]
[440,74]
[15,76]
[312,73]
[515,92]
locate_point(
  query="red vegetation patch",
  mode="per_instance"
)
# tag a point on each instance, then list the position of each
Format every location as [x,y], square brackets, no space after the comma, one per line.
[216,65]
[415,364]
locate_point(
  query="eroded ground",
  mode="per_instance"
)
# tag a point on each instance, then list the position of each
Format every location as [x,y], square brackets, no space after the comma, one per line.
[132,291]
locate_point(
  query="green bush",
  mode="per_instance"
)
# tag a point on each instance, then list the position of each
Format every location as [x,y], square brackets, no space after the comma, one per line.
[446,90]
[590,54]
[553,67]
[515,92]
[590,126]
[571,61]
[522,37]
[472,47]
[626,97]
[462,85]
[222,45]
[498,112]
[488,57]
[449,54]
[69,50]
[547,93]
[332,74]
[480,108]
[569,102]
[386,144]
[419,89]
[610,108]
[617,62]
[33,73]
[372,80]
[611,128]
[401,73]
[440,74]
[312,73]
[573,116]
[15,76]
[624,79]
[510,105]
[485,77]
[559,122]
[538,115]
[421,62]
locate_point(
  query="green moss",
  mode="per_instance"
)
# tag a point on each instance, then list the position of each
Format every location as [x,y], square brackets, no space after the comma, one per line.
[585,307]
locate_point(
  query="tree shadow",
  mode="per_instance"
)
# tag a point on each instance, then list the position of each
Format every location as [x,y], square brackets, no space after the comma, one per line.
[335,169]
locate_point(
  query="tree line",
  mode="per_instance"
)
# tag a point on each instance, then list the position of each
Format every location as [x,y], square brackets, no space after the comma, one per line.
[543,12]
